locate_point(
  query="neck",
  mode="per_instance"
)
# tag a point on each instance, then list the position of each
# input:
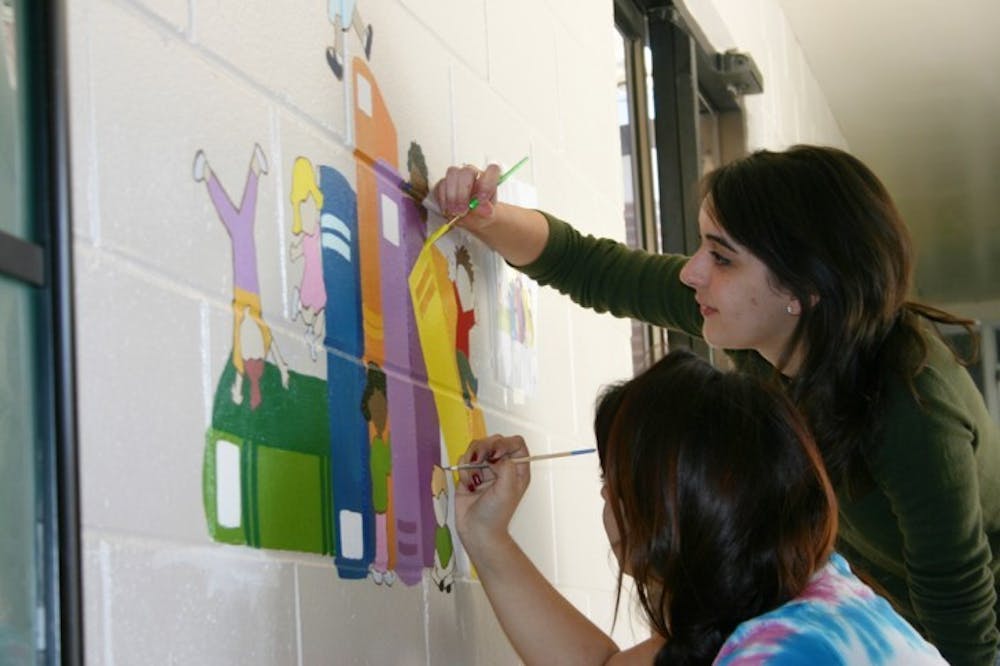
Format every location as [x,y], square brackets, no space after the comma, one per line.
[793,362]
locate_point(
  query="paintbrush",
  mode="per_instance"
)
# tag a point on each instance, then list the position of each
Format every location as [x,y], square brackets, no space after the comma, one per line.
[473,204]
[521,459]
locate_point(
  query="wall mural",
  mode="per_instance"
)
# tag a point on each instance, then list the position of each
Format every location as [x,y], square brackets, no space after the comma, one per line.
[515,360]
[349,465]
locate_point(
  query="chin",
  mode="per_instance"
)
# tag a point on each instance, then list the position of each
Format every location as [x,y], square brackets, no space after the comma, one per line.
[711,339]
[721,341]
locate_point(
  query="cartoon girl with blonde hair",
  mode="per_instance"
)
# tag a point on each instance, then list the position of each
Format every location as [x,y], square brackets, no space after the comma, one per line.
[309,296]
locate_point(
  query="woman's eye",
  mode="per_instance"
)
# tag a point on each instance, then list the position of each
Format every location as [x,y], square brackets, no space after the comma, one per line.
[719,259]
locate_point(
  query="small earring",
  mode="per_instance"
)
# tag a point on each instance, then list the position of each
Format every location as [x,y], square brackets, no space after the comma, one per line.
[788,308]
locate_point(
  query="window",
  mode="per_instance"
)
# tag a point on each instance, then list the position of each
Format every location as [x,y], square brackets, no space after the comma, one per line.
[679,117]
[642,228]
[39,551]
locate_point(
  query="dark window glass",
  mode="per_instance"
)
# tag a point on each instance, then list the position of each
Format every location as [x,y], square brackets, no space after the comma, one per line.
[19,576]
[11,216]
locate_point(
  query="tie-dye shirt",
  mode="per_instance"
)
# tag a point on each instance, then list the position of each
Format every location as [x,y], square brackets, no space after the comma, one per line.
[836,620]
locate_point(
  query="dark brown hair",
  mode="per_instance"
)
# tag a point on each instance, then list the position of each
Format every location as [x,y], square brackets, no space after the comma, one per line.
[374,381]
[719,495]
[830,234]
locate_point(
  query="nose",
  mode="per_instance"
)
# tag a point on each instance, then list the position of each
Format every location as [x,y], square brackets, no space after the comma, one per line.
[693,273]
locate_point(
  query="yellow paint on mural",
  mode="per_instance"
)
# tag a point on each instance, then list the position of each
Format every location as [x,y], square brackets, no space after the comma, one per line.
[437,313]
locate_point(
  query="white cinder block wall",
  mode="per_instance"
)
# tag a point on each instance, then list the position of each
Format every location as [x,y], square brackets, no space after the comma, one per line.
[154,81]
[792,109]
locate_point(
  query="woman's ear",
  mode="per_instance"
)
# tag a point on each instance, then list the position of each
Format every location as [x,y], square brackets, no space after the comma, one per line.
[794,306]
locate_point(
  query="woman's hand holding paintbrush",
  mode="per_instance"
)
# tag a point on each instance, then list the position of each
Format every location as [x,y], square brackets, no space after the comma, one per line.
[486,498]
[493,475]
[487,185]
[518,234]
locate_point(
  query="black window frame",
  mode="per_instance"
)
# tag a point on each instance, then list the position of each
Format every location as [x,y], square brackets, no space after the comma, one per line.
[685,69]
[43,262]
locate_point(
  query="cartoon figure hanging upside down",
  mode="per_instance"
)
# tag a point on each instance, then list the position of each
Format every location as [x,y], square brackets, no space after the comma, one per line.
[465,299]
[444,548]
[344,15]
[251,345]
[375,407]
[309,297]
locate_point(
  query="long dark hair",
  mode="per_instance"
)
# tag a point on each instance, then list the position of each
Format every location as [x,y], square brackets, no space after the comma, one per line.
[828,231]
[719,495]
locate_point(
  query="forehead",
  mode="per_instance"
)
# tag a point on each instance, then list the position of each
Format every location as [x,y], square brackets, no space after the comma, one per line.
[710,229]
[717,238]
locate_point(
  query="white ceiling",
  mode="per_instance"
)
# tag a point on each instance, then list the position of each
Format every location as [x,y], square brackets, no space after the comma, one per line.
[915,88]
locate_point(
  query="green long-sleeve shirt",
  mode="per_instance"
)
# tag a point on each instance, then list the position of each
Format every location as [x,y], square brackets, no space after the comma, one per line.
[929,532]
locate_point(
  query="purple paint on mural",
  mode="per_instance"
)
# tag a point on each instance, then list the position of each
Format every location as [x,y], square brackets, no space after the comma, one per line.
[415,431]
[239,224]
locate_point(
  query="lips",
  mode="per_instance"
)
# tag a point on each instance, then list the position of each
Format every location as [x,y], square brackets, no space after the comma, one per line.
[705,310]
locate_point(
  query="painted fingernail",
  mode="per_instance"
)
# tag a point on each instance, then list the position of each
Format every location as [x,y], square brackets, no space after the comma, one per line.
[472,488]
[476,479]
[475,456]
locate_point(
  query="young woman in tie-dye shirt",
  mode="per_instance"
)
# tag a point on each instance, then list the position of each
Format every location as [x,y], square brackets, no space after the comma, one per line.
[837,619]
[718,506]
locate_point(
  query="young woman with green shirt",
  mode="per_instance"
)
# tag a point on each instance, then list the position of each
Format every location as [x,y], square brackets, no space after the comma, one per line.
[803,275]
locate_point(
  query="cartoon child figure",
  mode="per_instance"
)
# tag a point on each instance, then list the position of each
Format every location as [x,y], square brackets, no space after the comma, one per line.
[344,16]
[444,549]
[239,224]
[465,299]
[375,407]
[309,296]
[418,187]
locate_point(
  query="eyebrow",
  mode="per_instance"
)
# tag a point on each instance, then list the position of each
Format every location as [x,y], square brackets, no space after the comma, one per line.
[721,241]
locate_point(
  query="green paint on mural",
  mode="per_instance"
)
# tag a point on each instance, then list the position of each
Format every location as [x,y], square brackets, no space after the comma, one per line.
[294,419]
[217,489]
[290,492]
[267,470]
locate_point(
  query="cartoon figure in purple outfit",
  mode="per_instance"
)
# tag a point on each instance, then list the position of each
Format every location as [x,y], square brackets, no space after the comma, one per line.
[253,341]
[309,296]
[344,16]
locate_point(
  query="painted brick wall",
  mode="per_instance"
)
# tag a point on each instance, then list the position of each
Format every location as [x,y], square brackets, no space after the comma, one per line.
[155,81]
